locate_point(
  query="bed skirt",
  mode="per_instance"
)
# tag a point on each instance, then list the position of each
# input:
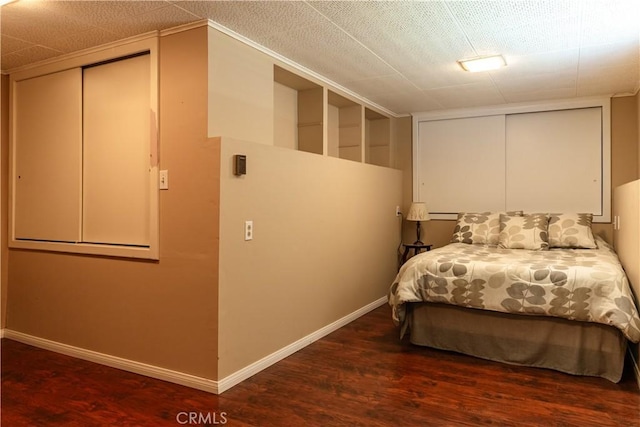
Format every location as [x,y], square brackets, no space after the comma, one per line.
[572,347]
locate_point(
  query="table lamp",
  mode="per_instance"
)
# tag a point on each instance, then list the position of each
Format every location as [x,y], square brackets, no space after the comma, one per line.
[418,212]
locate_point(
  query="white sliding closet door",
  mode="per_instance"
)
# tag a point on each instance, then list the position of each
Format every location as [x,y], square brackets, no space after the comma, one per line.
[460,165]
[47,159]
[116,152]
[555,161]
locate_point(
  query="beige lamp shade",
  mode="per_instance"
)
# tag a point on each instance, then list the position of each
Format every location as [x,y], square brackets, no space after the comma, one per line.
[418,212]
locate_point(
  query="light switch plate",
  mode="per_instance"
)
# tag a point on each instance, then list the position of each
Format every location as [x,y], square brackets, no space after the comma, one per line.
[164,180]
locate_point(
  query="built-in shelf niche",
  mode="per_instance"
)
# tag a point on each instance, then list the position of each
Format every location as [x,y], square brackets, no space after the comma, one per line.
[309,117]
[377,138]
[345,128]
[298,112]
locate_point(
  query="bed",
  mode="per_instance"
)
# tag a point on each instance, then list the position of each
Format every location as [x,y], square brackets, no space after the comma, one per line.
[527,289]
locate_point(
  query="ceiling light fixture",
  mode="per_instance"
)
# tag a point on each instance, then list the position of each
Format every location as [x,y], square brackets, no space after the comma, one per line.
[486,63]
[3,2]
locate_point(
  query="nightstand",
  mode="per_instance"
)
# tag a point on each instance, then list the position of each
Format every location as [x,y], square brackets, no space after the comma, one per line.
[416,250]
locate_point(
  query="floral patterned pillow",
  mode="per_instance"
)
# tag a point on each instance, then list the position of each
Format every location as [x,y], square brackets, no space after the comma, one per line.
[478,228]
[524,232]
[571,231]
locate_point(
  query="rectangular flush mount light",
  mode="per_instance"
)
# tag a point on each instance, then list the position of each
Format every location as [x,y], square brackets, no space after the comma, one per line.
[486,63]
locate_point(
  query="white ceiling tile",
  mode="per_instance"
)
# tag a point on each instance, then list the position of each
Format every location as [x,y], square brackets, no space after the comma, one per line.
[518,27]
[383,90]
[25,56]
[621,54]
[560,61]
[345,59]
[417,102]
[471,95]
[381,85]
[156,19]
[538,82]
[11,44]
[446,74]
[540,94]
[83,40]
[607,21]
[32,22]
[102,13]
[608,81]
[266,17]
[410,36]
[384,50]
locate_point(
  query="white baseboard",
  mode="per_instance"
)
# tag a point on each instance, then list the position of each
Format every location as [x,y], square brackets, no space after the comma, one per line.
[246,372]
[188,380]
[116,362]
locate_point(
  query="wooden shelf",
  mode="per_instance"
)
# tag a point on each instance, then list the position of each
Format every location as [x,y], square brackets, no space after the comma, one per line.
[309,117]
[377,138]
[298,109]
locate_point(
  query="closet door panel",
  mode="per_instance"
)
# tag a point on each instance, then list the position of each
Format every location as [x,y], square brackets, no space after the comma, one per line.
[554,161]
[461,164]
[117,152]
[47,128]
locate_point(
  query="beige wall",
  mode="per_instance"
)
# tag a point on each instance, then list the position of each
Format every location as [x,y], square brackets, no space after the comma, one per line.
[326,233]
[240,90]
[635,349]
[161,313]
[325,236]
[4,156]
[637,98]
[325,229]
[625,162]
[624,140]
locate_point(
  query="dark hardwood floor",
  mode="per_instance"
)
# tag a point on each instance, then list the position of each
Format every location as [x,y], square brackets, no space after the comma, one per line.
[361,375]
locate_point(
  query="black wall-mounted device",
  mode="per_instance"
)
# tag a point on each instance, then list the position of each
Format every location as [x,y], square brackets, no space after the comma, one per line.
[240,164]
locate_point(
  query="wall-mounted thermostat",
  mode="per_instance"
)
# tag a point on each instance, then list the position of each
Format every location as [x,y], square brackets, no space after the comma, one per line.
[240,164]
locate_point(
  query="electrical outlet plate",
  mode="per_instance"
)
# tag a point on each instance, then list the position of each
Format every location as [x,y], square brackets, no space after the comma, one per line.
[248,230]
[398,211]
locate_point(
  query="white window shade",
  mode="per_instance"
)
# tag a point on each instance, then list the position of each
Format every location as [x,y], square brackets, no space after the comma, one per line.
[554,161]
[461,165]
[547,157]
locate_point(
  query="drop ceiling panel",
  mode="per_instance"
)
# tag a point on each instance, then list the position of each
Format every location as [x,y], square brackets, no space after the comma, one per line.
[346,57]
[83,40]
[606,21]
[622,54]
[34,23]
[25,56]
[562,83]
[399,54]
[617,81]
[11,44]
[157,19]
[562,61]
[101,13]
[256,19]
[540,94]
[384,90]
[446,74]
[419,101]
[471,95]
[410,36]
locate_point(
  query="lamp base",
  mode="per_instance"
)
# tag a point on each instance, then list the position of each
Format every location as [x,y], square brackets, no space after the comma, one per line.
[419,242]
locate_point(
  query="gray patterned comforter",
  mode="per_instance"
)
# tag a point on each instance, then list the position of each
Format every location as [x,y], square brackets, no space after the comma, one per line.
[578,284]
